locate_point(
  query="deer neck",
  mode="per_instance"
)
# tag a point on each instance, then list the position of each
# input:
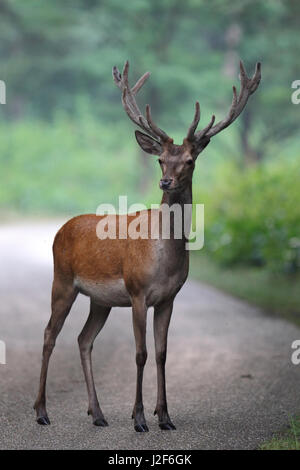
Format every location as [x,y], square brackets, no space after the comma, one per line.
[184,199]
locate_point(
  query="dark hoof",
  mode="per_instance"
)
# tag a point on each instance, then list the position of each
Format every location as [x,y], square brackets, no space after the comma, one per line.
[167,426]
[100,422]
[43,420]
[141,427]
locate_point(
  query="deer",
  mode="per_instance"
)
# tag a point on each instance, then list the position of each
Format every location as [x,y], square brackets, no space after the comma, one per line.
[137,273]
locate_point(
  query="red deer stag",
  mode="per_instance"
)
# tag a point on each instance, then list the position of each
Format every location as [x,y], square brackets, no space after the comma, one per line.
[132,272]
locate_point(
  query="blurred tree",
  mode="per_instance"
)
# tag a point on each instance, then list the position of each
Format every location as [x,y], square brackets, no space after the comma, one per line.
[264,31]
[56,56]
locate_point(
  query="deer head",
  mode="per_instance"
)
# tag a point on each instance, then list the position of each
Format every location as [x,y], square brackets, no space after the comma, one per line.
[178,161]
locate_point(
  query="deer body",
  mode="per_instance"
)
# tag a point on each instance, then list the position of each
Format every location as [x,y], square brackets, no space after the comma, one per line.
[106,272]
[140,272]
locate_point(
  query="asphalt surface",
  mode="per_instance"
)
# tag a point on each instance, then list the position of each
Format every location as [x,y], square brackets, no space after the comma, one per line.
[230,380]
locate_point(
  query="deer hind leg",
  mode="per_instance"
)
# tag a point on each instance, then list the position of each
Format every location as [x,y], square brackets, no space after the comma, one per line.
[63,296]
[94,324]
[139,313]
[162,316]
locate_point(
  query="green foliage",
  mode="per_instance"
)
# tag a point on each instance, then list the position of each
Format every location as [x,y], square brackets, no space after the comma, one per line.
[277,294]
[70,166]
[54,53]
[287,440]
[252,216]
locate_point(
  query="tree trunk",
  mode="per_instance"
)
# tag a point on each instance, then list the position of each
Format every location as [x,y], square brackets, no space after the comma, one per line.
[250,154]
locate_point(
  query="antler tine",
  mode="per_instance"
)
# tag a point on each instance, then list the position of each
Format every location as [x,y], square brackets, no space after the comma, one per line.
[130,105]
[125,74]
[202,133]
[135,117]
[159,132]
[193,126]
[248,86]
[131,100]
[117,76]
[256,77]
[226,122]
[121,80]
[140,83]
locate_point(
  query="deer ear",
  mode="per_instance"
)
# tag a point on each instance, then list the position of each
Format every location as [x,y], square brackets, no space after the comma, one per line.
[148,144]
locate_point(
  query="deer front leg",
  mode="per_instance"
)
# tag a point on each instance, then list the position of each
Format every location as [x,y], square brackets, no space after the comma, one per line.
[139,316]
[162,316]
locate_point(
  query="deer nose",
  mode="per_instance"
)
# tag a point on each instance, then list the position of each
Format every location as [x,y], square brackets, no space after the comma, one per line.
[165,183]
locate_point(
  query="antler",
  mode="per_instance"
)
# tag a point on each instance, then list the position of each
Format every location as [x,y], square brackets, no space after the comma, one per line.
[131,107]
[248,86]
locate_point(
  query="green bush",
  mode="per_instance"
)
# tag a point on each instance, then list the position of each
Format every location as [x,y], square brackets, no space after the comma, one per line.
[68,166]
[252,215]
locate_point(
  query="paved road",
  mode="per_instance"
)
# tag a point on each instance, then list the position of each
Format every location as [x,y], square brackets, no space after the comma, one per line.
[230,379]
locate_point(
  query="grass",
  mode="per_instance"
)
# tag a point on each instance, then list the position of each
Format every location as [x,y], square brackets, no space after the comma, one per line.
[287,440]
[278,295]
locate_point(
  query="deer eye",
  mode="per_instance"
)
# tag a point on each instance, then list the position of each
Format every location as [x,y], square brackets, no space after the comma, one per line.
[159,161]
[190,161]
